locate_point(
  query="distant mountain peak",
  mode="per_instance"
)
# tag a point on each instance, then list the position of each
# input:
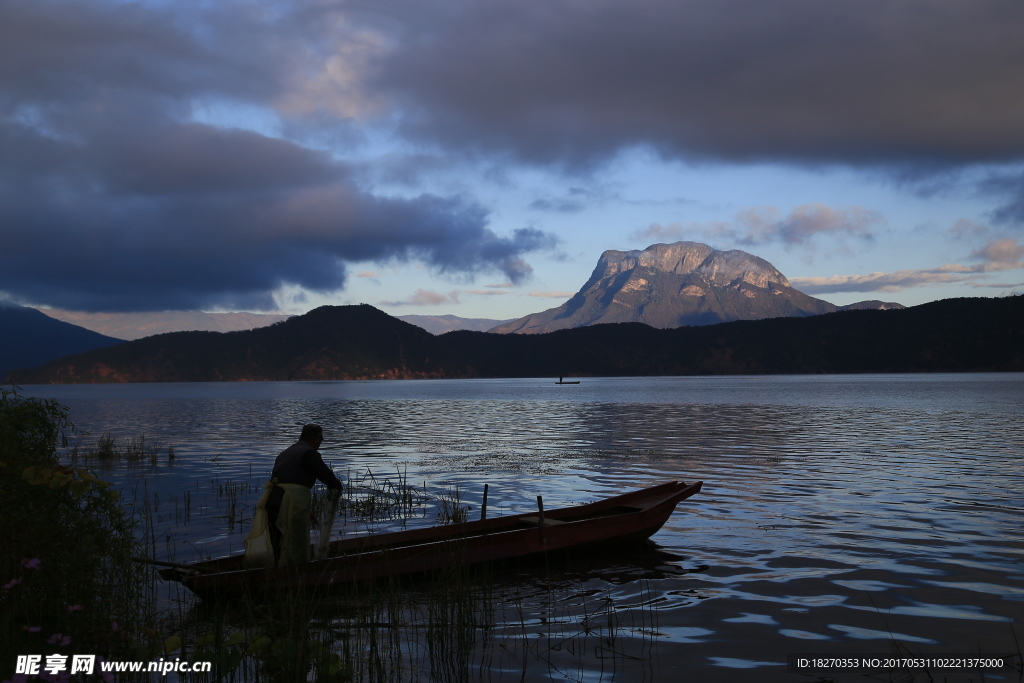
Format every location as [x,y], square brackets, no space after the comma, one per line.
[439,324]
[873,305]
[672,285]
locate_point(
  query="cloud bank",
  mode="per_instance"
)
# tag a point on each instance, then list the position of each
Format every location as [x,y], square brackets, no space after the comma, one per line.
[764,225]
[998,255]
[192,155]
[562,81]
[425,297]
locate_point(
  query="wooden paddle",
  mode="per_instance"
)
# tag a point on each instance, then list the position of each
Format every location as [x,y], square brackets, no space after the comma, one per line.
[175,565]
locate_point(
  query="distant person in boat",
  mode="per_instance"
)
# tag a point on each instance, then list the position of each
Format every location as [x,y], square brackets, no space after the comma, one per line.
[280,527]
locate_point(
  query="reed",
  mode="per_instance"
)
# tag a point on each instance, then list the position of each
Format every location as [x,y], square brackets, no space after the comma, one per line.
[368,498]
[458,624]
[108,449]
[451,511]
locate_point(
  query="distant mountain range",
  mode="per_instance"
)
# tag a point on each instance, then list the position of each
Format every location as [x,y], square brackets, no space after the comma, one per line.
[361,342]
[138,325]
[28,338]
[439,324]
[672,285]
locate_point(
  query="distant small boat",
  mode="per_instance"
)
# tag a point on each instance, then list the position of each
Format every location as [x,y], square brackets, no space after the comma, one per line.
[628,517]
[560,381]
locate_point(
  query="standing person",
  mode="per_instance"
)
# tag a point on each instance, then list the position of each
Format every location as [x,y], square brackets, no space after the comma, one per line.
[280,527]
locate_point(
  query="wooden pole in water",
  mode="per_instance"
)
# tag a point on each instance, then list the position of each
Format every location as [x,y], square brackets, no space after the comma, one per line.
[327,526]
[483,506]
[540,506]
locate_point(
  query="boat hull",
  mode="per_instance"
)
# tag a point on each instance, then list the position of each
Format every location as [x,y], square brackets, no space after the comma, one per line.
[629,517]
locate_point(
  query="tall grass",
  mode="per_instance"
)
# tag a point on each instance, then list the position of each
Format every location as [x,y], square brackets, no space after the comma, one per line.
[458,624]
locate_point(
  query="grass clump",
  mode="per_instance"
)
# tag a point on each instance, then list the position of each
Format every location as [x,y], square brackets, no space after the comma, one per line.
[69,584]
[108,449]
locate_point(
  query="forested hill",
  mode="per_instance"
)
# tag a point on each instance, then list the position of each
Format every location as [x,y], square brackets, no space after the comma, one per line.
[29,338]
[361,342]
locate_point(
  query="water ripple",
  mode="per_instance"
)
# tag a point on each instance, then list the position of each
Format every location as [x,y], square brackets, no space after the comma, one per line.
[836,509]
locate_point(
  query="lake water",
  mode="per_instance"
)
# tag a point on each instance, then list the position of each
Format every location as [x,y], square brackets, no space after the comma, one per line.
[840,514]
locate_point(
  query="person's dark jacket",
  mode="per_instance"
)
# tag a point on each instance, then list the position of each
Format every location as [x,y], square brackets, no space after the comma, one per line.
[300,463]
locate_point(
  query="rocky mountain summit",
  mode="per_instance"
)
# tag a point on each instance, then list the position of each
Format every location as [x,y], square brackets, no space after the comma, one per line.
[674,285]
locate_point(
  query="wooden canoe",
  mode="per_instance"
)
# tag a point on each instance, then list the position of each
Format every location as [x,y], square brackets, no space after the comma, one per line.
[631,516]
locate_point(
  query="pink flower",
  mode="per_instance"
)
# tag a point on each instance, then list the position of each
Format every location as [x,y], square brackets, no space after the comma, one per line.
[75,608]
[30,564]
[113,626]
[33,629]
[11,584]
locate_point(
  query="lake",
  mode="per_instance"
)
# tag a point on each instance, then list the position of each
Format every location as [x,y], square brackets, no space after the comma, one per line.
[840,514]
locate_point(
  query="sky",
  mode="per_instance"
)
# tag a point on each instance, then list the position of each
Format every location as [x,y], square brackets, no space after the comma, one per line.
[476,157]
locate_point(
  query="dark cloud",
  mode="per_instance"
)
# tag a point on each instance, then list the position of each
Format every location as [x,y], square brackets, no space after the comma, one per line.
[920,82]
[67,52]
[577,199]
[94,232]
[113,197]
[558,204]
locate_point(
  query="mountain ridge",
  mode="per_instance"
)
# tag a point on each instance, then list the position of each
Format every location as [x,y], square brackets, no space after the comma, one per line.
[362,342]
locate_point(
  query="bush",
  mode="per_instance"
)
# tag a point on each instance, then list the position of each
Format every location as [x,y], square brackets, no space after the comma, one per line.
[69,584]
